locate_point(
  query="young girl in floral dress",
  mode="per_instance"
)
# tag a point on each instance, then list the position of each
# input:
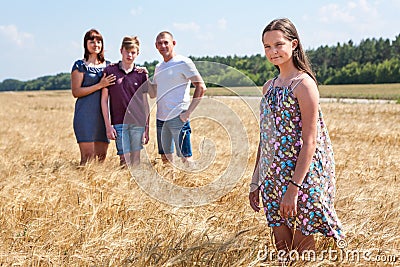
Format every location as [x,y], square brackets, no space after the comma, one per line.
[295,169]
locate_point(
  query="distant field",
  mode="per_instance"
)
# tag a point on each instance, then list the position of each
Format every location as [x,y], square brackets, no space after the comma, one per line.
[359,91]
[365,91]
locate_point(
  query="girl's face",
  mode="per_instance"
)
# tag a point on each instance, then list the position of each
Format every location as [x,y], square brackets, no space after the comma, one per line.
[129,55]
[278,49]
[94,46]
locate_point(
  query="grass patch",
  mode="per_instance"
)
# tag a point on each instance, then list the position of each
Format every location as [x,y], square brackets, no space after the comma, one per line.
[390,91]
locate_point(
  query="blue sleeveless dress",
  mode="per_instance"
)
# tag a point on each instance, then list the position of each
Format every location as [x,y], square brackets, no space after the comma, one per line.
[88,119]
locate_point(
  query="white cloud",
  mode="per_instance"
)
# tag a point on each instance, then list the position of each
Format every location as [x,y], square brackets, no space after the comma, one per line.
[191,26]
[334,13]
[360,11]
[137,11]
[222,23]
[353,20]
[369,10]
[359,17]
[11,33]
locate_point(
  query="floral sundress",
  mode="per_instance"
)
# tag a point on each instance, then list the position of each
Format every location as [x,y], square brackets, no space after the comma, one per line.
[280,144]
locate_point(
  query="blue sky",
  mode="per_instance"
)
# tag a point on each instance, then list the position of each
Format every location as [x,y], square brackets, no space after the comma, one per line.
[40,38]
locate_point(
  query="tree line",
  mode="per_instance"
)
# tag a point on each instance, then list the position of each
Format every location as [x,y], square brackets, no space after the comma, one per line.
[371,61]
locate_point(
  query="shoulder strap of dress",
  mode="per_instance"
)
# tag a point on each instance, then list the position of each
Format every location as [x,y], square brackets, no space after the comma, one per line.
[270,84]
[273,81]
[297,83]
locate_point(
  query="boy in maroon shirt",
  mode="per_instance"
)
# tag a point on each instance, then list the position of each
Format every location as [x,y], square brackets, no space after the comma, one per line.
[126,104]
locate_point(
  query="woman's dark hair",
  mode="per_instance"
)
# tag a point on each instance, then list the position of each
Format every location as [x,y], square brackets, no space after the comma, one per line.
[93,35]
[288,29]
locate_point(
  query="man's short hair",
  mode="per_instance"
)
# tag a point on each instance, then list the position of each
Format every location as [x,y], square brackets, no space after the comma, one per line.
[163,33]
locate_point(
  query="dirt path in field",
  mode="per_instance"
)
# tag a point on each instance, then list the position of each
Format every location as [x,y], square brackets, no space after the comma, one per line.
[329,100]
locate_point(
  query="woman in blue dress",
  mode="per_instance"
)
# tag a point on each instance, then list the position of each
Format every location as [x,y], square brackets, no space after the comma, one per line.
[87,80]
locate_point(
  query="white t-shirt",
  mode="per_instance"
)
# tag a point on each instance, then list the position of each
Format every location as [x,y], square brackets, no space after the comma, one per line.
[173,86]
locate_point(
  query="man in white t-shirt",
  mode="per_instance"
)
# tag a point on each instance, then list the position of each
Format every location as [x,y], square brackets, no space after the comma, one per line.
[171,86]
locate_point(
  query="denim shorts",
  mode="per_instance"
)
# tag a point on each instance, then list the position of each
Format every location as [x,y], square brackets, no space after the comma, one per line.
[129,138]
[174,131]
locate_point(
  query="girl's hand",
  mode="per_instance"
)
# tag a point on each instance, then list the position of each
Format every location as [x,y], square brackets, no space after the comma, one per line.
[288,206]
[254,198]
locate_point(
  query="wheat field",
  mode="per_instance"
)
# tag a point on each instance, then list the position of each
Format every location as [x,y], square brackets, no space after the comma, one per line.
[55,213]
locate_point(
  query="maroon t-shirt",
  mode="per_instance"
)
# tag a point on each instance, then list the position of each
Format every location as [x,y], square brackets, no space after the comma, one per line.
[126,96]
